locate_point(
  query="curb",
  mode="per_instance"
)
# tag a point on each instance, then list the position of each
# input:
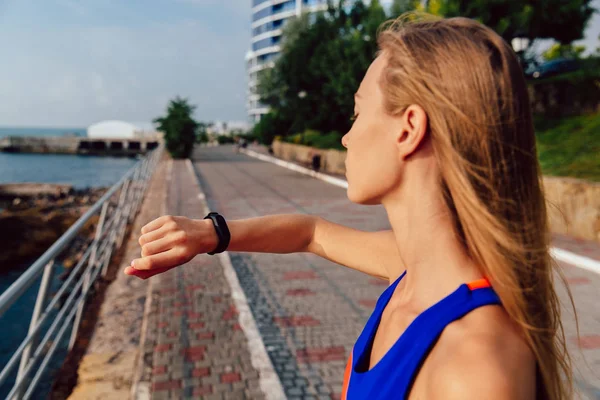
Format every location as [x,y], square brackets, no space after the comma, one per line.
[140,389]
[268,378]
[558,254]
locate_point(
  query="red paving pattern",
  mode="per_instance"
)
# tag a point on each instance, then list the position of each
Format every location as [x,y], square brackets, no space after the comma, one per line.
[308,310]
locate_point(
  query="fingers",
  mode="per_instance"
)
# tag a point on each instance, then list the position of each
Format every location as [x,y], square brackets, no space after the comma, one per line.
[157,223]
[169,258]
[157,246]
[154,235]
[142,274]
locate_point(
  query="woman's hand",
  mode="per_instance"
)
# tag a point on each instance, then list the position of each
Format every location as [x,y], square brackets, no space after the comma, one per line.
[168,242]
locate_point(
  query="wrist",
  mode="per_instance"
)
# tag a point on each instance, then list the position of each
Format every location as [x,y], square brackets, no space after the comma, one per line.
[211,237]
[222,231]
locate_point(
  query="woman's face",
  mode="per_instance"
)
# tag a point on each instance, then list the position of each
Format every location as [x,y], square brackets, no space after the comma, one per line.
[373,160]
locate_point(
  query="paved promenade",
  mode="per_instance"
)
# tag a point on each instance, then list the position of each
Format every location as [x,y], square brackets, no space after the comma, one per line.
[308,311]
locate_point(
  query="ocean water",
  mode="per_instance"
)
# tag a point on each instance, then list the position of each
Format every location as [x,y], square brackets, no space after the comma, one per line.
[37,131]
[79,171]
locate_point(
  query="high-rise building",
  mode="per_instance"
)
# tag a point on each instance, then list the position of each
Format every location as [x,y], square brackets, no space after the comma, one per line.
[268,20]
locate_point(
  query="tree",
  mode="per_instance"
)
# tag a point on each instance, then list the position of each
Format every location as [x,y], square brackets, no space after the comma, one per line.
[563,51]
[202,132]
[178,127]
[400,7]
[269,126]
[563,21]
[320,68]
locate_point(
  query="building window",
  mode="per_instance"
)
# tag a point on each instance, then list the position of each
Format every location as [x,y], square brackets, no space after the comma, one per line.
[265,58]
[269,26]
[265,12]
[287,6]
[268,42]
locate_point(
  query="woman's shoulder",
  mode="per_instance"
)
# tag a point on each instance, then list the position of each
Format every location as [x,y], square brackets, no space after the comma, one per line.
[482,355]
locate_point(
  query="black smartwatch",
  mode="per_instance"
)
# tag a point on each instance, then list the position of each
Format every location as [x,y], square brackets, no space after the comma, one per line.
[222,232]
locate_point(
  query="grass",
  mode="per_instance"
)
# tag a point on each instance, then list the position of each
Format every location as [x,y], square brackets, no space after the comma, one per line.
[570,146]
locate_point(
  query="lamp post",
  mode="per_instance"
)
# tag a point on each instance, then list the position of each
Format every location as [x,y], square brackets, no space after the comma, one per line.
[301,96]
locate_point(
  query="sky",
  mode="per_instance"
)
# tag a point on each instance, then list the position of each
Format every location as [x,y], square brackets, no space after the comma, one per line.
[71,63]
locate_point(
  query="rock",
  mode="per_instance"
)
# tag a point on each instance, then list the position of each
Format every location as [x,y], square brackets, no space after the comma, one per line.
[31,225]
[95,383]
[33,189]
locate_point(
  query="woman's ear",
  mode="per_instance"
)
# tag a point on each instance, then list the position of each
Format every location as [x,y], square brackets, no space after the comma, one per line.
[413,129]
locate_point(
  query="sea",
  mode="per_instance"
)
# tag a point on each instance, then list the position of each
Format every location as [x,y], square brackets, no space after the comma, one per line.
[78,171]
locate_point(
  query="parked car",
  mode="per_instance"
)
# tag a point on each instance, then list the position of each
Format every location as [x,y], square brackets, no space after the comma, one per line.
[552,68]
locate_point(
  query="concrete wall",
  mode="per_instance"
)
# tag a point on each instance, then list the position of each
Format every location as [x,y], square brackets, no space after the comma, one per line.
[573,205]
[78,145]
[332,161]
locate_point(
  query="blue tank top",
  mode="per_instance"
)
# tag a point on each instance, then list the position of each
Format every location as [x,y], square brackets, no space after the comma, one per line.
[393,375]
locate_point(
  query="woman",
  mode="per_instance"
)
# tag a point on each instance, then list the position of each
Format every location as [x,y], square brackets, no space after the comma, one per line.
[443,139]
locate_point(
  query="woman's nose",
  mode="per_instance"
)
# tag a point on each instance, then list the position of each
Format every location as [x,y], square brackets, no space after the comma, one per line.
[345,140]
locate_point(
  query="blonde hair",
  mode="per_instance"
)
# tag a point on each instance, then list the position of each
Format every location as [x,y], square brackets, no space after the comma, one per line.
[470,83]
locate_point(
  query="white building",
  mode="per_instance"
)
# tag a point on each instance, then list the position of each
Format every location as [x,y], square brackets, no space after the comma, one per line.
[113,129]
[228,127]
[268,19]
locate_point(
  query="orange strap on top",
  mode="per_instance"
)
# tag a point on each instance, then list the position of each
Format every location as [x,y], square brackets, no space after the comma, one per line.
[347,374]
[479,283]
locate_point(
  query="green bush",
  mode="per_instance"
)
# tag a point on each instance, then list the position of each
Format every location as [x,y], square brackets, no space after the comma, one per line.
[269,126]
[331,140]
[569,146]
[312,138]
[225,139]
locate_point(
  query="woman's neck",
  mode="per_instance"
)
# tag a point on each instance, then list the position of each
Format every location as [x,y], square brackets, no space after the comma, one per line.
[435,261]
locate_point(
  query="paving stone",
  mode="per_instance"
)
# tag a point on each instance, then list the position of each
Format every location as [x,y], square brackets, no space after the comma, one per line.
[189,334]
[288,294]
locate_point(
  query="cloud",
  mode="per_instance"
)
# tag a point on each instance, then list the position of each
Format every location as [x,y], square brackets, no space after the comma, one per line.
[74,6]
[76,73]
[239,7]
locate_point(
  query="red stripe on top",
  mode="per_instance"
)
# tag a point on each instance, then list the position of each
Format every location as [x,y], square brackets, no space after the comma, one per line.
[347,374]
[479,283]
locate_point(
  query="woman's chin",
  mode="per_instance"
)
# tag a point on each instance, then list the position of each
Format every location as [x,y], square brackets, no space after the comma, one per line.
[361,197]
[356,196]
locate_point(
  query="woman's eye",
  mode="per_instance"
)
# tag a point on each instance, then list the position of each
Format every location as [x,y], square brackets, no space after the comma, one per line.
[353,118]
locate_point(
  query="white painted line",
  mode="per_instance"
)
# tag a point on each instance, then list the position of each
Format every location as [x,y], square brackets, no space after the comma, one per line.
[575,259]
[268,378]
[559,254]
[294,167]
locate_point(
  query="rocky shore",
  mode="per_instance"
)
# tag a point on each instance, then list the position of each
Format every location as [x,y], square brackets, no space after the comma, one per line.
[33,216]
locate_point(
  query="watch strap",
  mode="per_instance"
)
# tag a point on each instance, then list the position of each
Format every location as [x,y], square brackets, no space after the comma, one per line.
[222,232]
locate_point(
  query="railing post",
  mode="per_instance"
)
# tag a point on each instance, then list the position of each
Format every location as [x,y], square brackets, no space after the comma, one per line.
[94,261]
[37,310]
[127,206]
[119,231]
[88,273]
[135,195]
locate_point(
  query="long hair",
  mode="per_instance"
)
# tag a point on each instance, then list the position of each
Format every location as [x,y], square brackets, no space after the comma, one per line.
[471,85]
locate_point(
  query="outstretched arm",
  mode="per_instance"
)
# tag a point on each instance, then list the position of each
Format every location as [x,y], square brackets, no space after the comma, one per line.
[170,241]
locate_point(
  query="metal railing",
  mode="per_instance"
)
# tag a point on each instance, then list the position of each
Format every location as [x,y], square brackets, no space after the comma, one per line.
[117,208]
